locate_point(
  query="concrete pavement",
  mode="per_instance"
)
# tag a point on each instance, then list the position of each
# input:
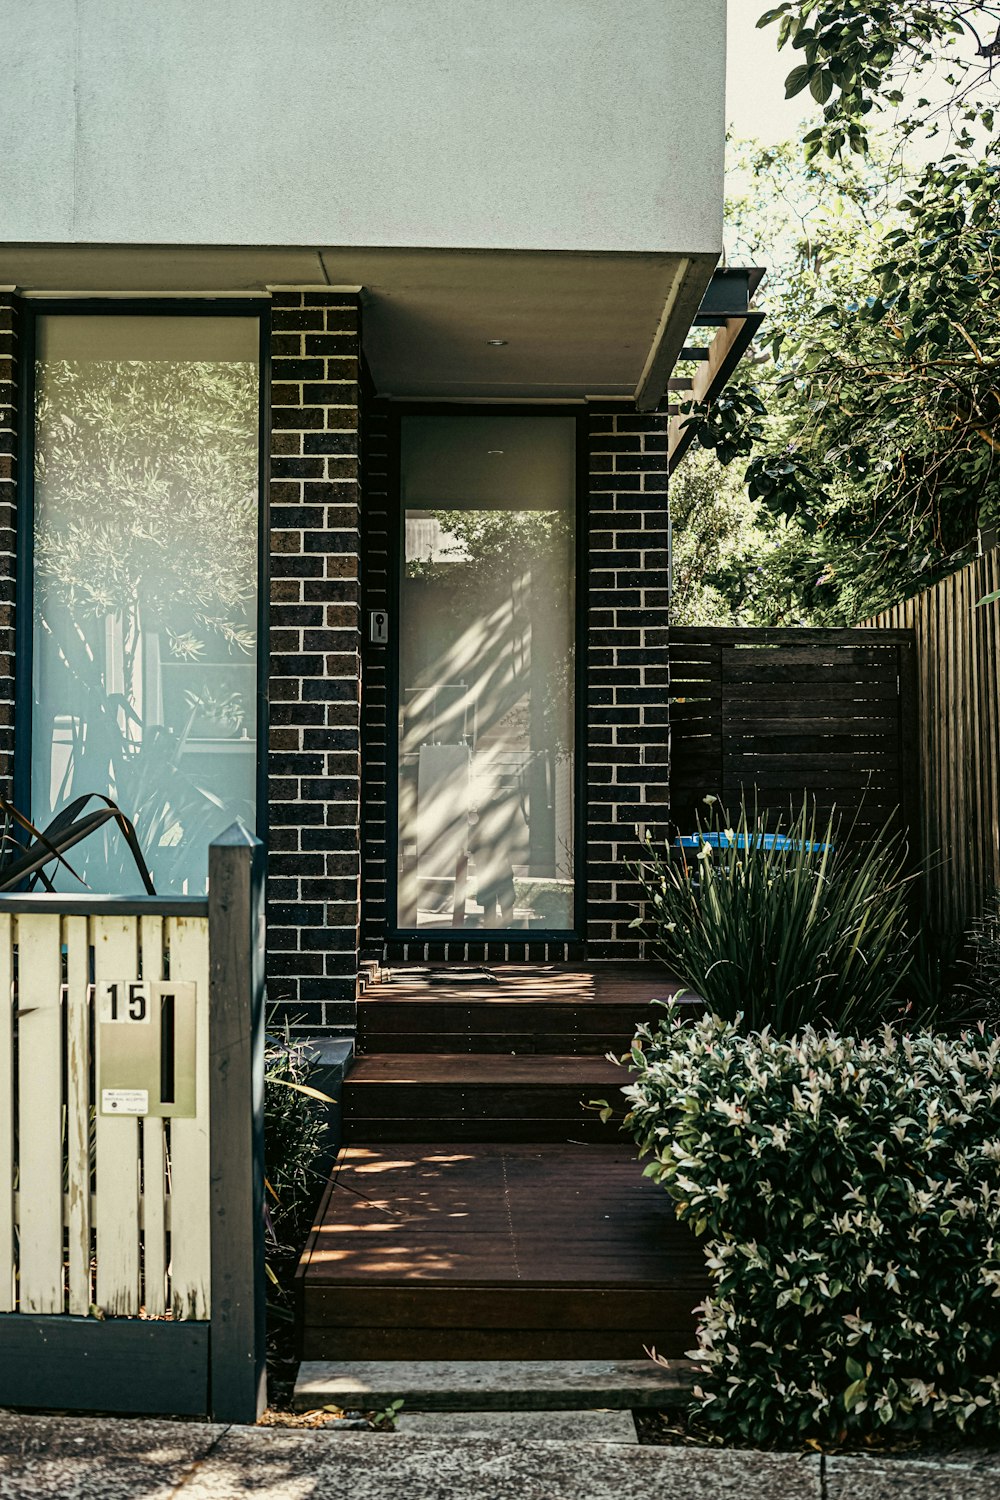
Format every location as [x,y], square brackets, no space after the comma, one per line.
[83,1458]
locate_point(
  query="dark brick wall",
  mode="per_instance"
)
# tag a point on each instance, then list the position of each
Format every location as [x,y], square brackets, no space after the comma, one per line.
[9,321]
[627,665]
[377,479]
[314,683]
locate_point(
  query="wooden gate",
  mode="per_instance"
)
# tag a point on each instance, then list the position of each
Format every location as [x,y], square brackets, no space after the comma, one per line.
[131,1254]
[779,714]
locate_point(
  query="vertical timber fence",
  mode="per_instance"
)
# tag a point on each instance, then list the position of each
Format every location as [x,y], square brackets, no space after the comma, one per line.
[958,735]
[774,716]
[131,1147]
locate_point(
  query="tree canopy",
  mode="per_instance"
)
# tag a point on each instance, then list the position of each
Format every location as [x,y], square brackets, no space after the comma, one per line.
[867,433]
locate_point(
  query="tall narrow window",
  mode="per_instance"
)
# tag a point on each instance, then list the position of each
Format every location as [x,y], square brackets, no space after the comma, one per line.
[145,584]
[486,673]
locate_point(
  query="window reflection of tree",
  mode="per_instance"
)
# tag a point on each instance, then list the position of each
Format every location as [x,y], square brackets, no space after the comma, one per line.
[146,562]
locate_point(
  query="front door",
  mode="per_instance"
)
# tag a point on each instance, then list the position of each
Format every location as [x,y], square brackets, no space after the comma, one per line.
[486,752]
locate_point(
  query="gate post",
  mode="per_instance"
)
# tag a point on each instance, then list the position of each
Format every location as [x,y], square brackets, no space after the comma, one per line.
[237,1373]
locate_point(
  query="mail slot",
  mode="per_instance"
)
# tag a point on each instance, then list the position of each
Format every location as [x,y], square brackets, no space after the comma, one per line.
[146,1047]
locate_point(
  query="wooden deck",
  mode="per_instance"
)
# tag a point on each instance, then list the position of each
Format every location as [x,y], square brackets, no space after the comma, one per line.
[497,1251]
[479,1208]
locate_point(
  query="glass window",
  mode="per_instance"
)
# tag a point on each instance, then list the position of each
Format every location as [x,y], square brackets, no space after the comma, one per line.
[486,673]
[145,585]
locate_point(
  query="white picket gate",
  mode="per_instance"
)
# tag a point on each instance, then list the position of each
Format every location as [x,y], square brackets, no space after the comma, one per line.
[108,1257]
[97,1212]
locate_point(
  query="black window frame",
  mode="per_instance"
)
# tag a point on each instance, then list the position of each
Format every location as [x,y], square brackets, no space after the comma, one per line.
[478,935]
[31,309]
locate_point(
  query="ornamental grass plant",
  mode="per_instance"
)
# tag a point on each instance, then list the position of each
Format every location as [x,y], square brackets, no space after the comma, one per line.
[295,1130]
[848,1193]
[803,928]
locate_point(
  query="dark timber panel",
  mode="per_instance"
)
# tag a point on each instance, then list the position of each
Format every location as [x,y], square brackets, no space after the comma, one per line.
[122,1365]
[780,714]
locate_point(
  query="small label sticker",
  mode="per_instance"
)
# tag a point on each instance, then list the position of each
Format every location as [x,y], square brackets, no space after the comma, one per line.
[124,1101]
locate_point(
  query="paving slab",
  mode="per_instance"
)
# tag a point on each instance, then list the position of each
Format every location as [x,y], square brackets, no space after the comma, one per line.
[494,1385]
[80,1458]
[522,1426]
[957,1477]
[85,1458]
[287,1465]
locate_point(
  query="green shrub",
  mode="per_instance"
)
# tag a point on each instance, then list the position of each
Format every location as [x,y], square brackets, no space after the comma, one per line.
[813,934]
[849,1195]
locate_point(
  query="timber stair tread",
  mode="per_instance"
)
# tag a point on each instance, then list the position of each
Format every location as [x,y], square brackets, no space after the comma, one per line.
[546,1009]
[479,1096]
[501,1250]
[459,1069]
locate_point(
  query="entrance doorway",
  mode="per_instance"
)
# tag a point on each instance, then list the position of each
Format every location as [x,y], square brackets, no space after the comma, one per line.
[486,676]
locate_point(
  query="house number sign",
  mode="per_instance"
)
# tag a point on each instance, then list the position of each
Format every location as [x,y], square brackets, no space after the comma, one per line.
[146,1047]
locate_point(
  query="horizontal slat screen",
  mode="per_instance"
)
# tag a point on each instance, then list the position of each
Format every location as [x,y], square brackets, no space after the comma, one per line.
[777,715]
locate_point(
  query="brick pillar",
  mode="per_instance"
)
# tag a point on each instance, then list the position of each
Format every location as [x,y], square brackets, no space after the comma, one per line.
[314,684]
[9,321]
[628,747]
[376,917]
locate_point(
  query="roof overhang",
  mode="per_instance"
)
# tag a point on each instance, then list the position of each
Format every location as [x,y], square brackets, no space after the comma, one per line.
[490,325]
[726,306]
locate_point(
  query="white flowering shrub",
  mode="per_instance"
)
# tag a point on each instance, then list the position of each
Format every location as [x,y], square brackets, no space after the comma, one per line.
[848,1192]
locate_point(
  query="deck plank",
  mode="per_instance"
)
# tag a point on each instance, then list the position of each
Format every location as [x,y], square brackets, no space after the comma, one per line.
[476,1214]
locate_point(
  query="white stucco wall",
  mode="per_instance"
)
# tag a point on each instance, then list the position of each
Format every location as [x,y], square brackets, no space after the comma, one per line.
[528,124]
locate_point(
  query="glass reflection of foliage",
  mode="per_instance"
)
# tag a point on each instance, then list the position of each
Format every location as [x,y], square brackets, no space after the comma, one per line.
[148,529]
[488,559]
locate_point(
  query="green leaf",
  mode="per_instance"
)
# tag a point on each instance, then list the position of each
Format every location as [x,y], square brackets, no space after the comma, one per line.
[854,1393]
[821,85]
[797,80]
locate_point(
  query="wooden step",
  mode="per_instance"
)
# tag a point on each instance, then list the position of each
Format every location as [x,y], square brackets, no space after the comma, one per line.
[410,1096]
[540,1008]
[496,1251]
[385,1024]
